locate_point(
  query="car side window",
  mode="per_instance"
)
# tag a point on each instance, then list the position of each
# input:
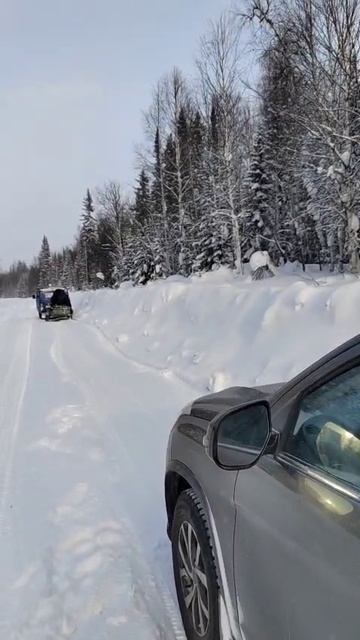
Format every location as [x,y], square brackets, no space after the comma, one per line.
[327,431]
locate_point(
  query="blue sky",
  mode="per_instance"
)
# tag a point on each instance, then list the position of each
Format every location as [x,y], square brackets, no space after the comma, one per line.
[75,77]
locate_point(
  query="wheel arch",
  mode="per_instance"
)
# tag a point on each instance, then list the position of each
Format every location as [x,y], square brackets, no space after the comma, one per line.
[179,478]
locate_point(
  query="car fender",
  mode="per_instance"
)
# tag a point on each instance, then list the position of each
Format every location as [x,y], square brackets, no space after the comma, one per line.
[227,608]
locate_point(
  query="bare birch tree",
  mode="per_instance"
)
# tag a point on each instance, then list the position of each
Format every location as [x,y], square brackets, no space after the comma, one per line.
[218,64]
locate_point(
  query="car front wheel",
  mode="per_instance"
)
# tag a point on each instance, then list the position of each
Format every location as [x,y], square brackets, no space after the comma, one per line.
[194,569]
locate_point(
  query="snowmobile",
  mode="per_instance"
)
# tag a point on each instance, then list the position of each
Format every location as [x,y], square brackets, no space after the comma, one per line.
[53,304]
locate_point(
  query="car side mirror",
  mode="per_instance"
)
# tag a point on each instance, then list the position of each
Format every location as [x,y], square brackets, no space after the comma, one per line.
[238,438]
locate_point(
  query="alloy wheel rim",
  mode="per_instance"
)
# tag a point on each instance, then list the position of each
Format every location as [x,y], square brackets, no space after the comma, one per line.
[193,579]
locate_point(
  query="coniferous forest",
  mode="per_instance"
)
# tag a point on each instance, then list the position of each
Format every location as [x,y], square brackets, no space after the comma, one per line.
[226,167]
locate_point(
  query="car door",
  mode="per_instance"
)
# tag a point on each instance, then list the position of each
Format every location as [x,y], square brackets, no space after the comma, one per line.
[297,536]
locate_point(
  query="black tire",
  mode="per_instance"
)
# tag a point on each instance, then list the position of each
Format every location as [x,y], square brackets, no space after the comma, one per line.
[189,511]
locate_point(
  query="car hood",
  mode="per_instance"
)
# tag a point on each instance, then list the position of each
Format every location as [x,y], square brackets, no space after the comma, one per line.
[208,407]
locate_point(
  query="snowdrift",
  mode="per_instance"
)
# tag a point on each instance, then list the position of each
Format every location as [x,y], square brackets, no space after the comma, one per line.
[222,329]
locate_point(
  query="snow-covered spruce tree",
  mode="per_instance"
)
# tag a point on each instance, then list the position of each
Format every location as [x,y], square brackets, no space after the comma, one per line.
[161,217]
[185,130]
[211,248]
[204,229]
[142,198]
[258,191]
[210,232]
[107,254]
[81,264]
[169,169]
[88,242]
[142,233]
[45,270]
[175,172]
[278,196]
[179,221]
[196,136]
[141,246]
[67,275]
[57,268]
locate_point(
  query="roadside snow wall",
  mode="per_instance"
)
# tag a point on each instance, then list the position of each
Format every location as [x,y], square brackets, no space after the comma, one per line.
[221,330]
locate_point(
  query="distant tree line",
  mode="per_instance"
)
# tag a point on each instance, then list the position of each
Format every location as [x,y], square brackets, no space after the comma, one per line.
[222,174]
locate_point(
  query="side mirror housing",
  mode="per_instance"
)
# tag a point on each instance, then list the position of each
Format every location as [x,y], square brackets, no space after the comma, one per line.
[237,438]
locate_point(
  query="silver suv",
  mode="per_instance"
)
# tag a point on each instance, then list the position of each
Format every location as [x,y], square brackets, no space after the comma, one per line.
[262,493]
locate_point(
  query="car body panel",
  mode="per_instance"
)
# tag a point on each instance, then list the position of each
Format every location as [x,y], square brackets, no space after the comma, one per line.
[288,534]
[296,555]
[291,525]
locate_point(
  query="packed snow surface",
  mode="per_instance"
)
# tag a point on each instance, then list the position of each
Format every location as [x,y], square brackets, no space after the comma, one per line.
[86,408]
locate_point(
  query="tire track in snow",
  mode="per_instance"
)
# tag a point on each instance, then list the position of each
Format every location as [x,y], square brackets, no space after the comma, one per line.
[164,371]
[163,610]
[12,400]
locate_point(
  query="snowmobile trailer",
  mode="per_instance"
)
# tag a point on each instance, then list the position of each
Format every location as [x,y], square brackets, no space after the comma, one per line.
[53,304]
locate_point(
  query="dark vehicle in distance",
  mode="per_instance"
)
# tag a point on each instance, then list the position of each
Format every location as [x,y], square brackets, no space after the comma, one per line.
[53,304]
[262,493]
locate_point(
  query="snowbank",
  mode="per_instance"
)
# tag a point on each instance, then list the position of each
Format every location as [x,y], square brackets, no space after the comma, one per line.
[221,330]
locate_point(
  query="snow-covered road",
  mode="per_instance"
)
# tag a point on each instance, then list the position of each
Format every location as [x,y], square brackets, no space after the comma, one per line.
[83,549]
[85,411]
